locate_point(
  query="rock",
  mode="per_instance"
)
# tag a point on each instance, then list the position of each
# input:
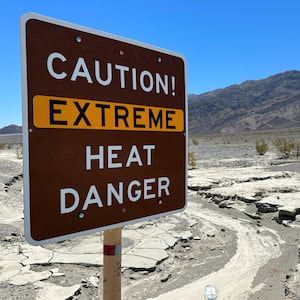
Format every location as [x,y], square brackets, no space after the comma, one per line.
[8,239]
[278,220]
[266,207]
[186,245]
[254,216]
[226,204]
[166,278]
[223,205]
[211,234]
[94,281]
[183,235]
[287,214]
[195,188]
[284,218]
[135,276]
[286,223]
[286,211]
[55,272]
[217,199]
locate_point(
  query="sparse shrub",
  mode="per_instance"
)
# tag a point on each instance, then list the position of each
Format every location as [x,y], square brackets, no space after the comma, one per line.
[284,146]
[2,146]
[297,149]
[261,147]
[19,151]
[195,141]
[192,160]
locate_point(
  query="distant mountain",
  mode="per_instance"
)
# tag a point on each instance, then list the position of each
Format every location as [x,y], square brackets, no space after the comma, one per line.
[11,129]
[271,103]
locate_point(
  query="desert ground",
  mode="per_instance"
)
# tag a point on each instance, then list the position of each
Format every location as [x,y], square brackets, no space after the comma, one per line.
[239,232]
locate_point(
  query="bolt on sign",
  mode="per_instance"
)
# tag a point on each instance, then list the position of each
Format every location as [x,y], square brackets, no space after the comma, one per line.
[104,130]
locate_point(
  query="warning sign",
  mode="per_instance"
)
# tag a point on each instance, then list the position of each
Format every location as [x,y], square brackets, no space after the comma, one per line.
[104,130]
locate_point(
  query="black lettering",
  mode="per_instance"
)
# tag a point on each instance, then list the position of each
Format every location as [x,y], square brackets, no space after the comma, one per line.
[102,108]
[121,113]
[137,117]
[54,111]
[155,120]
[169,119]
[82,115]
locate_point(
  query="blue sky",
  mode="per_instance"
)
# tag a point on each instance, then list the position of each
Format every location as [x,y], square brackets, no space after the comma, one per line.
[223,42]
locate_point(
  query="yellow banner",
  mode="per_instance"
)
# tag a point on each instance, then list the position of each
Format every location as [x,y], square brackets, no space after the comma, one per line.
[71,113]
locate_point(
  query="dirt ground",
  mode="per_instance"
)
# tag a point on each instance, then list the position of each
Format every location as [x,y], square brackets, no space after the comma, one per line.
[246,255]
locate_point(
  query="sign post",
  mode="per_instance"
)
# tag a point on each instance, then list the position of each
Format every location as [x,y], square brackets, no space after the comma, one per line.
[112,246]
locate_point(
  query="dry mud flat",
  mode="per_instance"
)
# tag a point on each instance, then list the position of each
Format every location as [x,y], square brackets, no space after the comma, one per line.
[240,232]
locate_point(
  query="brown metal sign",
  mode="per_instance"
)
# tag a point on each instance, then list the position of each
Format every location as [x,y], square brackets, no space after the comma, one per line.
[104,130]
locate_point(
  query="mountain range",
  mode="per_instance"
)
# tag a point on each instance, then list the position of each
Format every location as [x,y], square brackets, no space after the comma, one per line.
[11,129]
[270,103]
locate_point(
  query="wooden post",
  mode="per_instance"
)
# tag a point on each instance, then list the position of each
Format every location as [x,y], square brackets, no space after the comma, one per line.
[112,247]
